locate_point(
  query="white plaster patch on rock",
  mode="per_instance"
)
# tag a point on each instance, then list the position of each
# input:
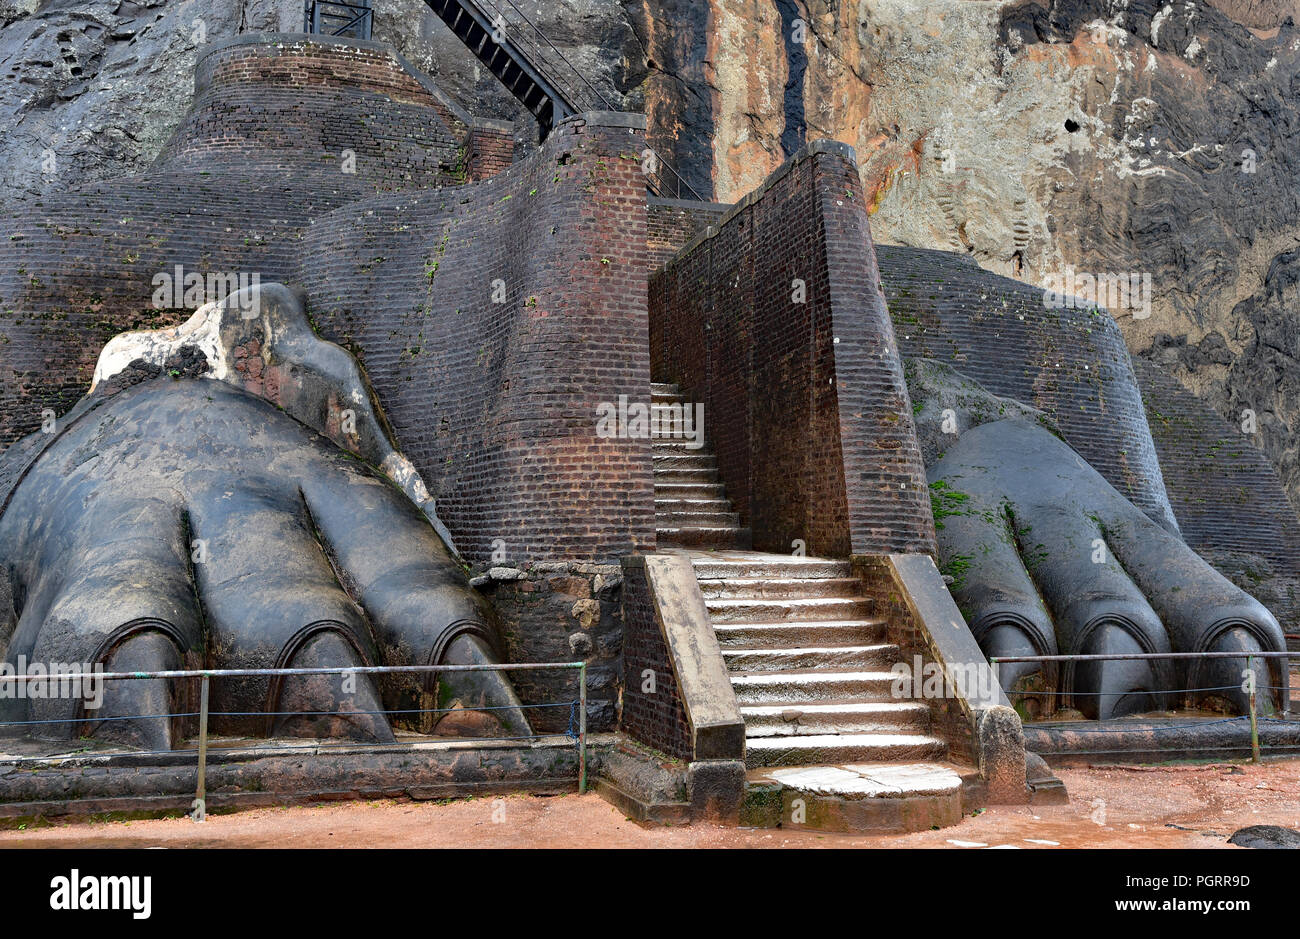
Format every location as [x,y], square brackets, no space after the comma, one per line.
[155,346]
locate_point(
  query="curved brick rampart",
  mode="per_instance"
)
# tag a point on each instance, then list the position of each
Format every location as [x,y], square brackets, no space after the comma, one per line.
[1070,363]
[1226,494]
[496,402]
[77,268]
[283,102]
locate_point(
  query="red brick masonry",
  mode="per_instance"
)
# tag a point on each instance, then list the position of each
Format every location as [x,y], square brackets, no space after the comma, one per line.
[805,402]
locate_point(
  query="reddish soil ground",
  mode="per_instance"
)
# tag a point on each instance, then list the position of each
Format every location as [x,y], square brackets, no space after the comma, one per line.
[1175,806]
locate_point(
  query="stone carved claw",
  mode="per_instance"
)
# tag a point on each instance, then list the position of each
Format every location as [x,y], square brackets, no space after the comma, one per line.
[215,502]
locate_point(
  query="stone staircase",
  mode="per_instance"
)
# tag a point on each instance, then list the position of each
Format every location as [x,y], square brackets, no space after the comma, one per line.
[691,507]
[826,744]
[809,663]
[810,667]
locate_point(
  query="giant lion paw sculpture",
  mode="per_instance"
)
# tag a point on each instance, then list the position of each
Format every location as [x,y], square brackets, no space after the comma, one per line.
[194,512]
[1046,558]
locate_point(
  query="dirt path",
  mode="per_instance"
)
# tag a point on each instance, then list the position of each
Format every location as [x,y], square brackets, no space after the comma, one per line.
[1164,806]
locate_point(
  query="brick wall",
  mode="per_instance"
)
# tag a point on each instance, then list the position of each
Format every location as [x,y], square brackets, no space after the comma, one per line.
[1229,501]
[256,160]
[805,403]
[495,402]
[490,149]
[673,223]
[272,102]
[1072,364]
[659,719]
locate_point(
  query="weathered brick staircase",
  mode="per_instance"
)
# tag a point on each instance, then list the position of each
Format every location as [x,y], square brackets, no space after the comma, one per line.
[691,507]
[827,744]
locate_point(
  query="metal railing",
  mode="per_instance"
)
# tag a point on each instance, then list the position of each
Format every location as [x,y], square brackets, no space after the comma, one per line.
[1250,686]
[584,96]
[324,16]
[577,729]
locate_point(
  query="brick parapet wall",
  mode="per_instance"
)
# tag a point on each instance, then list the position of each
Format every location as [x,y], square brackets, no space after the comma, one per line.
[673,223]
[805,403]
[323,107]
[490,150]
[657,718]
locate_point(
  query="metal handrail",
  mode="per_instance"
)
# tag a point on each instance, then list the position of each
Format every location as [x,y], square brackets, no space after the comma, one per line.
[206,675]
[1143,656]
[572,102]
[312,16]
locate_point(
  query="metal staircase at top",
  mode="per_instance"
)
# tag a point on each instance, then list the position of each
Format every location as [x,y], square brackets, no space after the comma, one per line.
[517,53]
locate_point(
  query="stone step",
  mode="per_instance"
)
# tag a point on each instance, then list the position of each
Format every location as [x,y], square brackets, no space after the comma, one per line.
[761,588]
[824,749]
[880,798]
[880,656]
[812,686]
[701,538]
[691,505]
[662,446]
[838,717]
[768,565]
[681,461]
[678,475]
[693,519]
[776,611]
[795,635]
[692,491]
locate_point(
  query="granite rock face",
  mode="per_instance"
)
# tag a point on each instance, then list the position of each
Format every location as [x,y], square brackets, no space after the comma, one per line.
[92,89]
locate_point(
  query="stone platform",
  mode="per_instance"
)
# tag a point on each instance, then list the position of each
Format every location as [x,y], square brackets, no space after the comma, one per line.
[286,772]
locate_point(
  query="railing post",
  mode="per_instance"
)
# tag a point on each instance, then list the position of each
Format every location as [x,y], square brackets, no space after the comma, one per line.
[200,798]
[582,728]
[1254,723]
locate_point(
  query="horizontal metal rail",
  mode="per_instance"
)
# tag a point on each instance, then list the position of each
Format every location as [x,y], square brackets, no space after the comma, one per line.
[205,675]
[1115,656]
[1199,656]
[270,672]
